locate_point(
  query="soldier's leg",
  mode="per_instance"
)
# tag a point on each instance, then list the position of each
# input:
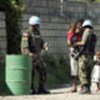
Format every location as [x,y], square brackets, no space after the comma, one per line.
[89,69]
[42,78]
[83,70]
[42,74]
[32,82]
[32,78]
[83,74]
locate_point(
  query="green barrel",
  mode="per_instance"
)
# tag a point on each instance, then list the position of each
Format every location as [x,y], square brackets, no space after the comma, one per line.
[18,75]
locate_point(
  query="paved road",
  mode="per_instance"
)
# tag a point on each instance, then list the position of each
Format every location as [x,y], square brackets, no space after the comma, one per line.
[56,94]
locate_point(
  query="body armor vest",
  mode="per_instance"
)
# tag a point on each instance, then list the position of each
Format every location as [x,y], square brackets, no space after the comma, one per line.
[35,42]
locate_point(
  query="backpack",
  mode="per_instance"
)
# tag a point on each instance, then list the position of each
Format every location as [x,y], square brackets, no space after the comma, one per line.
[91,44]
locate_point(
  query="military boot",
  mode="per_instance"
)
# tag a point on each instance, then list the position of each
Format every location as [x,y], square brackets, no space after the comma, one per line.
[85,90]
[42,90]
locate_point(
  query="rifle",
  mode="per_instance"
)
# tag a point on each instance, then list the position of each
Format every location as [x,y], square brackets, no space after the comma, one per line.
[78,50]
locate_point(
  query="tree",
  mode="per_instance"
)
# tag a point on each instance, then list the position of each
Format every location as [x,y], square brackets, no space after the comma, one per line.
[87,0]
[13,11]
[91,0]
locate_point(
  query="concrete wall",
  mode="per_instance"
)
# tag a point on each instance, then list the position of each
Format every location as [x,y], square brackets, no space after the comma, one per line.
[56,17]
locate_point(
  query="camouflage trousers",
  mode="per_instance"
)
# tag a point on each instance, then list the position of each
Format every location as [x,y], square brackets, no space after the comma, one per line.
[38,65]
[85,69]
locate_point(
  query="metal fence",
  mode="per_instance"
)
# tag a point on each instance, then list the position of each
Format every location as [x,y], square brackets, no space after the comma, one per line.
[56,16]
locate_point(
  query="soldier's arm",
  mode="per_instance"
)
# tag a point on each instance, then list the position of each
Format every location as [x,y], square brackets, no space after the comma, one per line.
[70,44]
[85,36]
[24,50]
[24,44]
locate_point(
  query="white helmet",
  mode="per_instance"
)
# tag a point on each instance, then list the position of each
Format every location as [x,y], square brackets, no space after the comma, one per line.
[87,23]
[34,20]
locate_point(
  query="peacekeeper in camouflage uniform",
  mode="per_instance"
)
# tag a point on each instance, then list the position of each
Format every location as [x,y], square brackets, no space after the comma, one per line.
[32,44]
[88,41]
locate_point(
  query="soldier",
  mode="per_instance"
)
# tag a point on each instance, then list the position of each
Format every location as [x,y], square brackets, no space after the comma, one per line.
[32,44]
[88,42]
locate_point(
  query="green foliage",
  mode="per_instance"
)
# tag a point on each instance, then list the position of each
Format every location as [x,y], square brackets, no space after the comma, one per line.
[88,0]
[91,0]
[58,70]
[13,12]
[97,0]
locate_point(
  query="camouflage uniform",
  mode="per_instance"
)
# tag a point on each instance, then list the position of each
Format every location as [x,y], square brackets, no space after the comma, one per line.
[86,58]
[33,41]
[83,69]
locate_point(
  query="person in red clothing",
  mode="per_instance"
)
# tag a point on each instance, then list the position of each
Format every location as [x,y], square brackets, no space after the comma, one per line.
[73,35]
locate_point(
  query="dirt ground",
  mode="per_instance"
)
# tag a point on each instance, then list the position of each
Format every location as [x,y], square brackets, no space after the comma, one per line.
[57,94]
